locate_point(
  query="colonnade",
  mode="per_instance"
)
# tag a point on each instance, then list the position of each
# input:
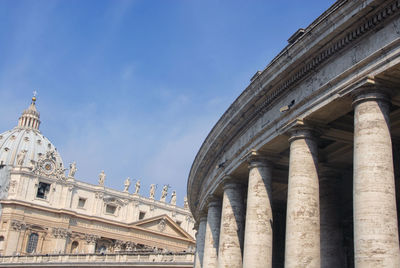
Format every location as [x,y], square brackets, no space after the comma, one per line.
[237,233]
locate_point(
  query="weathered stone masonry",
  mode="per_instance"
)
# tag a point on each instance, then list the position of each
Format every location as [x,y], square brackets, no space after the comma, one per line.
[302,161]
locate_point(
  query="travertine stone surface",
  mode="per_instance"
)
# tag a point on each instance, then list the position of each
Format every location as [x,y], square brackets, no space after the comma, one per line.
[302,220]
[376,242]
[210,259]
[332,254]
[259,220]
[200,242]
[232,226]
[13,238]
[91,247]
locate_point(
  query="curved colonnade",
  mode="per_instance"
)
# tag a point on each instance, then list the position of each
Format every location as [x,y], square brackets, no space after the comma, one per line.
[303,168]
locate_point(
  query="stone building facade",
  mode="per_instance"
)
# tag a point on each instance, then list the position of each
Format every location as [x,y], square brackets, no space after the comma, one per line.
[47,211]
[303,168]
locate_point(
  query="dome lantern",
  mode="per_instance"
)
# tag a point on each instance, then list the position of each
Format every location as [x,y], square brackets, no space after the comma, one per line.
[30,118]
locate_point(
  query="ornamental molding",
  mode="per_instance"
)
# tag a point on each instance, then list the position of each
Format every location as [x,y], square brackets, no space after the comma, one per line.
[18,225]
[91,238]
[117,244]
[99,195]
[12,187]
[347,38]
[162,224]
[61,233]
[114,201]
[130,246]
[48,166]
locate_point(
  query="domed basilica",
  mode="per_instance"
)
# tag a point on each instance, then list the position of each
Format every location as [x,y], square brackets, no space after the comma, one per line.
[46,211]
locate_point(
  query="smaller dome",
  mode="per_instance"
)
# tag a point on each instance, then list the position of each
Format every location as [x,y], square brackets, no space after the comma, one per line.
[26,138]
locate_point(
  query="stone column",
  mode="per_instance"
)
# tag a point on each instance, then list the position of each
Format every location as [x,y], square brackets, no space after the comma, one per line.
[376,242]
[302,247]
[259,221]
[232,226]
[200,242]
[210,258]
[332,251]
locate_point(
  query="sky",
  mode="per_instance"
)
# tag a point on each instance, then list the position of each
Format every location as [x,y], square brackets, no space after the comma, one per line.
[134,87]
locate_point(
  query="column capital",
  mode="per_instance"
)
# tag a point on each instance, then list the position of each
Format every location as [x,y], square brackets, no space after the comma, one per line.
[214,201]
[61,233]
[91,239]
[371,89]
[18,225]
[229,182]
[303,132]
[256,159]
[202,217]
[370,93]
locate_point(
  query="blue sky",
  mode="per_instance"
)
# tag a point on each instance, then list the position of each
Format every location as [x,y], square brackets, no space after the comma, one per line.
[134,87]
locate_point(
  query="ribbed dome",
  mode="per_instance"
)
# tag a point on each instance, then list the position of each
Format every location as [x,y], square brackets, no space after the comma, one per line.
[27,138]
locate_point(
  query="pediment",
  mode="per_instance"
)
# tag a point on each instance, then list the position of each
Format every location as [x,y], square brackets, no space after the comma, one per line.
[163,224]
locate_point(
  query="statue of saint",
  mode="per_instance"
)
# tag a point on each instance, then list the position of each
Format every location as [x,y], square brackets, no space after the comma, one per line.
[21,157]
[72,170]
[173,198]
[127,183]
[164,193]
[102,178]
[185,203]
[152,191]
[137,187]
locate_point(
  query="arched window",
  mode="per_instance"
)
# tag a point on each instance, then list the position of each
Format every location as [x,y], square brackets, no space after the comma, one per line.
[32,243]
[74,247]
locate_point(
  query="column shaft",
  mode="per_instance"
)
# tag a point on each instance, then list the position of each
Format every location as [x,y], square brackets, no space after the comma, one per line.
[259,220]
[302,248]
[332,253]
[376,242]
[200,243]
[232,227]
[210,258]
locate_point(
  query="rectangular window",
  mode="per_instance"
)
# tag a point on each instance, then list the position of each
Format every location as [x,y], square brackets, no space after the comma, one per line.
[81,202]
[110,209]
[141,215]
[43,190]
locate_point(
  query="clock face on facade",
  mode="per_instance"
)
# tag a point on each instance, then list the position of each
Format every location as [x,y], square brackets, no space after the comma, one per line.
[48,166]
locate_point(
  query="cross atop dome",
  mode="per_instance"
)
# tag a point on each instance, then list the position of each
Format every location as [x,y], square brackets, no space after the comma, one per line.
[30,117]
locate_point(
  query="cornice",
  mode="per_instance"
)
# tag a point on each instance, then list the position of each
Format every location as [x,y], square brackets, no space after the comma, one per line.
[89,218]
[76,184]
